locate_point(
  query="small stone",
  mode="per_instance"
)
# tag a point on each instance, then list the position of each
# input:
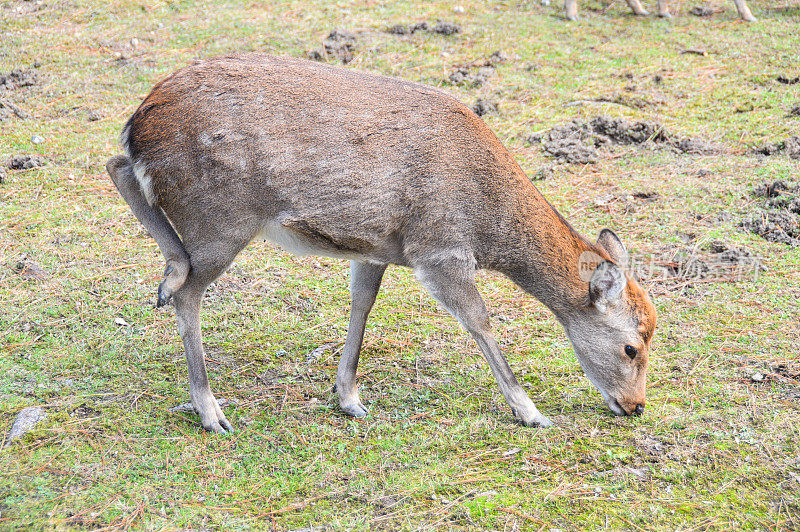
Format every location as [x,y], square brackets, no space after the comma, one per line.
[458,9]
[25,421]
[757,377]
[121,322]
[37,139]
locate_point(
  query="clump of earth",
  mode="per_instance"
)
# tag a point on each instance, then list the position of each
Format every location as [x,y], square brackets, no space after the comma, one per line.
[20,77]
[25,162]
[9,109]
[579,141]
[717,261]
[478,72]
[778,219]
[442,28]
[790,146]
[485,106]
[795,110]
[339,44]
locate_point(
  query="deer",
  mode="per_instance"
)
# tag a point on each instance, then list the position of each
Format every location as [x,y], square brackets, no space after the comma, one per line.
[571,7]
[324,160]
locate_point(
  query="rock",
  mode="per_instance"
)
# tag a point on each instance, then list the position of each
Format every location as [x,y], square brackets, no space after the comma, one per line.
[37,139]
[757,377]
[26,420]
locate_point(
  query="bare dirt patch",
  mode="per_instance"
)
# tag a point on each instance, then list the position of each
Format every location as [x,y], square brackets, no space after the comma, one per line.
[485,106]
[9,109]
[779,217]
[18,78]
[477,73]
[790,147]
[25,162]
[585,142]
[339,45]
[440,27]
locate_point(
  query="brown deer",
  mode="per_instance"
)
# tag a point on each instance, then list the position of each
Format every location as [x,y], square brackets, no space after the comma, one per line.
[330,161]
[571,7]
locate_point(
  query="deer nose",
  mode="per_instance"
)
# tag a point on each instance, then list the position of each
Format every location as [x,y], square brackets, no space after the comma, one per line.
[638,410]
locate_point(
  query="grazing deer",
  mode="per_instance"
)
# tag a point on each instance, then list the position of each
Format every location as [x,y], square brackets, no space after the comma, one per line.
[571,7]
[330,161]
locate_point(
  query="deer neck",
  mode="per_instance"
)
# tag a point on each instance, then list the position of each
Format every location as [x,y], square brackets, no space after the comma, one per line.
[547,256]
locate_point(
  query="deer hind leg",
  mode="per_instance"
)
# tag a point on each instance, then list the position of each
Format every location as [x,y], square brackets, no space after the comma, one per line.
[453,285]
[637,8]
[152,217]
[744,11]
[571,7]
[208,262]
[365,280]
[663,9]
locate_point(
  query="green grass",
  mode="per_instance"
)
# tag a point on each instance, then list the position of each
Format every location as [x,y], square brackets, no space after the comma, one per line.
[439,449]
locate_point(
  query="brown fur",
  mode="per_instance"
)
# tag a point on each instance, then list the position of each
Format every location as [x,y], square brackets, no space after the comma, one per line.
[355,165]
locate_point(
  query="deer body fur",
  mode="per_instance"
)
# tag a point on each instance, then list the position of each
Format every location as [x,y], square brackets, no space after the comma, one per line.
[376,170]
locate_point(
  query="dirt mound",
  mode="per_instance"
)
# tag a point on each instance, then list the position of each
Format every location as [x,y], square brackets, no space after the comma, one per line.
[484,106]
[790,147]
[8,109]
[578,141]
[338,45]
[21,77]
[717,261]
[477,73]
[779,218]
[26,162]
[442,28]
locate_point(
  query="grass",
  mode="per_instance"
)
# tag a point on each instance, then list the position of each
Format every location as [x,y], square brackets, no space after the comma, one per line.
[439,449]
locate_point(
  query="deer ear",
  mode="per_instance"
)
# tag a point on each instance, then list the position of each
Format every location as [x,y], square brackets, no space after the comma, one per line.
[606,286]
[609,241]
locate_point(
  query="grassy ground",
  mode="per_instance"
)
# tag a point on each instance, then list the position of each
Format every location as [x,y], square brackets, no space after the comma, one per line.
[715,449]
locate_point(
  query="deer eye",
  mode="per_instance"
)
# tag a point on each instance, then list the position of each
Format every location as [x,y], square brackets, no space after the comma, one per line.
[631,351]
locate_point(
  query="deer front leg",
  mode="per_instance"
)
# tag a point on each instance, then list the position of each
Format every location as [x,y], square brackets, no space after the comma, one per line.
[663,9]
[744,11]
[453,285]
[365,280]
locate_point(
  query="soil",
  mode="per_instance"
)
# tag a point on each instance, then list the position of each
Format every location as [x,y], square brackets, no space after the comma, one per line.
[778,220]
[578,141]
[477,73]
[25,162]
[28,269]
[703,11]
[718,261]
[84,412]
[339,45]
[470,78]
[8,109]
[795,110]
[21,77]
[485,106]
[442,28]
[790,147]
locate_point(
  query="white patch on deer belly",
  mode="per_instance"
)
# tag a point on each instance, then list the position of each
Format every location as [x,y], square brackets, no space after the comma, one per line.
[296,243]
